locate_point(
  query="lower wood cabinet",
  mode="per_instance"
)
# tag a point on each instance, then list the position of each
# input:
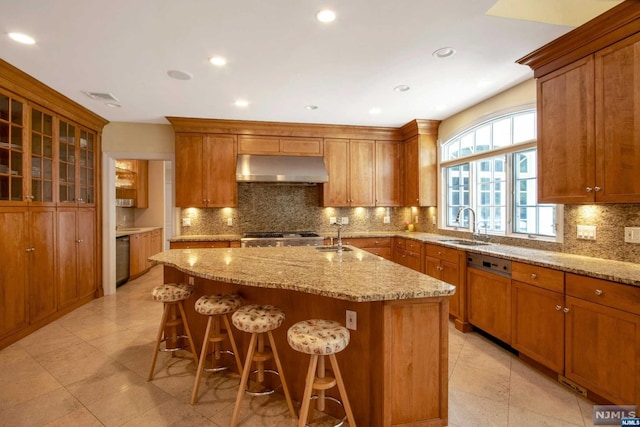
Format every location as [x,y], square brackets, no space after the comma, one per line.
[380,246]
[195,244]
[409,253]
[76,254]
[603,338]
[444,264]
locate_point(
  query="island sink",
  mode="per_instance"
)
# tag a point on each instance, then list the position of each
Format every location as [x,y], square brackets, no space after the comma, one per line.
[332,249]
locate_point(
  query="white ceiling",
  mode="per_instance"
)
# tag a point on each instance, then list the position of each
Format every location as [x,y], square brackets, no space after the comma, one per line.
[279,57]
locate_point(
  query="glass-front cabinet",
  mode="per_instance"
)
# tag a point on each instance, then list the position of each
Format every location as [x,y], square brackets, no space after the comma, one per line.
[66,162]
[12,149]
[76,167]
[41,157]
[86,166]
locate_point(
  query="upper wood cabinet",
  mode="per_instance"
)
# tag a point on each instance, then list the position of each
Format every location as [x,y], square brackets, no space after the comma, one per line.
[350,164]
[12,150]
[132,181]
[206,170]
[387,183]
[271,145]
[588,113]
[76,164]
[420,163]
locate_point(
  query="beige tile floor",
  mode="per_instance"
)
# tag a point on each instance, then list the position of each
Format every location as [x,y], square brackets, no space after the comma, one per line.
[89,368]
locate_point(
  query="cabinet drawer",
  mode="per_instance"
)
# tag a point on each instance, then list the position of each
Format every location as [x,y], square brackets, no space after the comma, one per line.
[538,276]
[399,243]
[611,294]
[441,252]
[413,246]
[381,252]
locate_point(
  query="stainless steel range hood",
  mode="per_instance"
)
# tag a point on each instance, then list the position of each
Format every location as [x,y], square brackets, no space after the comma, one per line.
[254,168]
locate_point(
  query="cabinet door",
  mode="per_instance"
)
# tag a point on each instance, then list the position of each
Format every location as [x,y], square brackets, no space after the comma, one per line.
[66,162]
[148,251]
[13,270]
[603,349]
[66,256]
[86,244]
[42,263]
[220,157]
[12,151]
[86,168]
[617,76]
[489,303]
[142,184]
[361,172]
[388,173]
[136,253]
[336,158]
[412,172]
[189,171]
[566,134]
[538,324]
[41,157]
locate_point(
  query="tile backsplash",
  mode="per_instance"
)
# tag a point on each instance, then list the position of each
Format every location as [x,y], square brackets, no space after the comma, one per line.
[289,207]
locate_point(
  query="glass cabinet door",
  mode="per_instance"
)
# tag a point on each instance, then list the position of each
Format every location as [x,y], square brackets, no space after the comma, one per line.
[86,165]
[67,163]
[11,149]
[41,157]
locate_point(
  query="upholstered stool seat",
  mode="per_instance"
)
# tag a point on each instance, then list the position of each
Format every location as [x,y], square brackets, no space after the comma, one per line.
[217,307]
[172,295]
[259,320]
[320,338]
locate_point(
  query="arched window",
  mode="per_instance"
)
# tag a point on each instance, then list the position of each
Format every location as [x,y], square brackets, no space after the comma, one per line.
[492,168]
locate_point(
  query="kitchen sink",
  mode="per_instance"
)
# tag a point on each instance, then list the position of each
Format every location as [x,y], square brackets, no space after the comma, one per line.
[466,242]
[332,249]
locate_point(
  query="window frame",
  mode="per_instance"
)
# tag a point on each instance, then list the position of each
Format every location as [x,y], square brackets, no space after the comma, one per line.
[508,151]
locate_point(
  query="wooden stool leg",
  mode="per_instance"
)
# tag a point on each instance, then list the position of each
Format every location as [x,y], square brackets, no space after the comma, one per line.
[308,388]
[194,353]
[203,359]
[165,313]
[342,389]
[243,379]
[321,374]
[283,381]
[234,347]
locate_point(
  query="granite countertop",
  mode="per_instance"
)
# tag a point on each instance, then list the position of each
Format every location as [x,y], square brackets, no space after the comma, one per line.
[617,271]
[134,230]
[354,275]
[207,238]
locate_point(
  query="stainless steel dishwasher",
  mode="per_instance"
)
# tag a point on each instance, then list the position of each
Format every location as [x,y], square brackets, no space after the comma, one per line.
[122,260]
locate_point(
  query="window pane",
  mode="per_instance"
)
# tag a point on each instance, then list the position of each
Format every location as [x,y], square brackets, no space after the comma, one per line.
[483,138]
[524,127]
[457,191]
[502,133]
[466,144]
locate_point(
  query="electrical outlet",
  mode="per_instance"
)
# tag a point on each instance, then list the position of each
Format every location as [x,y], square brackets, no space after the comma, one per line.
[387,220]
[345,220]
[632,234]
[186,222]
[433,220]
[191,280]
[229,222]
[352,320]
[332,220]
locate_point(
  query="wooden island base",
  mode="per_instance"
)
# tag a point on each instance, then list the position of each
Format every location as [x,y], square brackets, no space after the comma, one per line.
[395,367]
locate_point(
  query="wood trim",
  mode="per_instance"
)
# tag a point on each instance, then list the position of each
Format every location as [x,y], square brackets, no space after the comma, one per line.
[419,127]
[617,23]
[245,127]
[37,92]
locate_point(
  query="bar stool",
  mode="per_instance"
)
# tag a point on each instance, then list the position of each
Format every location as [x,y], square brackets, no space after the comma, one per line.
[319,338]
[259,320]
[217,307]
[172,295]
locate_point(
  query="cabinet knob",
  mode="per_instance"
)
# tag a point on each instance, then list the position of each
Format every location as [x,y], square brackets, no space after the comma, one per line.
[439,252]
[31,249]
[589,189]
[597,189]
[534,275]
[599,292]
[558,307]
[566,309]
[79,241]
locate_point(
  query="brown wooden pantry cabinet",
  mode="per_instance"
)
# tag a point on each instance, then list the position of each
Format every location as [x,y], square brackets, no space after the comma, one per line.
[49,200]
[588,111]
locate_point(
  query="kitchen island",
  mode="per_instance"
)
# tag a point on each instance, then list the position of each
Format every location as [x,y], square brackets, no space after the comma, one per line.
[395,367]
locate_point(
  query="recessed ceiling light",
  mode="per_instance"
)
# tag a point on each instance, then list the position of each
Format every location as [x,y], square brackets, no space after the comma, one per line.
[113,105]
[444,52]
[22,38]
[325,16]
[375,111]
[241,103]
[218,61]
[180,75]
[311,107]
[401,88]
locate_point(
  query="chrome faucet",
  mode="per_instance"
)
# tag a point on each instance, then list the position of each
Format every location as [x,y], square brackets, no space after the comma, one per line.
[472,221]
[339,224]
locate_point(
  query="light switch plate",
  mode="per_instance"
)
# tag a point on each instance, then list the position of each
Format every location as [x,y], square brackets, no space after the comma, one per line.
[186,222]
[586,232]
[632,234]
[345,220]
[387,220]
